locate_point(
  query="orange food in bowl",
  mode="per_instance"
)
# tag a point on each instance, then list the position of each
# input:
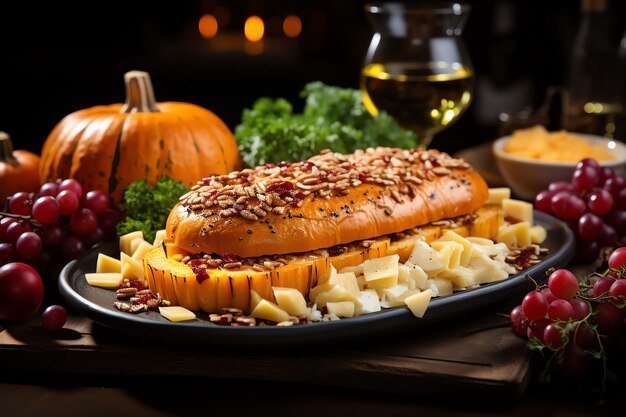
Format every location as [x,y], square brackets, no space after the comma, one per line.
[537,143]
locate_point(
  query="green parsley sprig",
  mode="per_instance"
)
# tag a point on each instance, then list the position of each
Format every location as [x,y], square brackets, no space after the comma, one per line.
[333,118]
[146,208]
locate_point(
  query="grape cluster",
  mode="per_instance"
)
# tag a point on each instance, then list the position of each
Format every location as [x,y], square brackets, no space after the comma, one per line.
[576,320]
[594,206]
[59,222]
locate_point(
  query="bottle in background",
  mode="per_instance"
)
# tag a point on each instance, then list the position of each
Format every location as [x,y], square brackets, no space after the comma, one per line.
[594,98]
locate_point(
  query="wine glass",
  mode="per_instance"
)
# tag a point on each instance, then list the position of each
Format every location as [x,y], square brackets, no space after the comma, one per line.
[416,68]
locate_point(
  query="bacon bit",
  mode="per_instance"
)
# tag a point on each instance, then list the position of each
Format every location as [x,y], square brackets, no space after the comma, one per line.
[143,299]
[281,188]
[231,257]
[135,283]
[201,274]
[239,207]
[298,199]
[306,165]
[434,161]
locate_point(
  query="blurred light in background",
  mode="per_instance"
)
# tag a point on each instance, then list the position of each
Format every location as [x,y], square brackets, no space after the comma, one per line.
[207,26]
[292,26]
[254,28]
[222,14]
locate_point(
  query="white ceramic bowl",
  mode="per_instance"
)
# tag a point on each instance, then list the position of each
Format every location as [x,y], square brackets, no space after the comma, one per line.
[527,176]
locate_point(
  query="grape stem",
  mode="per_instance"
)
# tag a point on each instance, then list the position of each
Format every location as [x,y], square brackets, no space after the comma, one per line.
[21,217]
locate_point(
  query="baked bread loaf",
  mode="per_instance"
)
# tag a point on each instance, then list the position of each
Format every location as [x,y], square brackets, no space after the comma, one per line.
[330,199]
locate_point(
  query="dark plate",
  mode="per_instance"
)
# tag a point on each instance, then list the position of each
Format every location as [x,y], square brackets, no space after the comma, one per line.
[97,304]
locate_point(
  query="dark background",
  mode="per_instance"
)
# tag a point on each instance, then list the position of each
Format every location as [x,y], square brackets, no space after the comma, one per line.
[59,57]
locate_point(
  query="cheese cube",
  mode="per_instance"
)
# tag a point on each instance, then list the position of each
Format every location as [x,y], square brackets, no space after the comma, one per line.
[418,275]
[440,286]
[424,256]
[131,268]
[126,239]
[450,252]
[291,300]
[334,295]
[357,269]
[418,303]
[341,309]
[508,236]
[347,280]
[368,302]
[269,311]
[381,272]
[141,250]
[255,299]
[403,274]
[325,278]
[450,236]
[461,277]
[391,294]
[108,264]
[134,244]
[104,279]
[159,237]
[497,195]
[538,234]
[517,211]
[177,313]
[522,234]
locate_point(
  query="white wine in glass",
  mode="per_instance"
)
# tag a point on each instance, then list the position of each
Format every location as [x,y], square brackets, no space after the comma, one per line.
[416,68]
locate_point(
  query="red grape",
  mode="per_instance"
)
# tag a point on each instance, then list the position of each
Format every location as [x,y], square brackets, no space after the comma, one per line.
[563,284]
[518,321]
[20,203]
[68,202]
[21,291]
[552,336]
[535,329]
[93,238]
[53,318]
[606,174]
[15,230]
[588,162]
[568,206]
[580,309]
[46,210]
[617,259]
[560,310]
[83,222]
[584,337]
[107,220]
[543,201]
[534,305]
[72,185]
[609,235]
[618,289]
[548,294]
[602,286]
[600,202]
[52,236]
[557,186]
[72,247]
[96,201]
[49,189]
[28,246]
[585,178]
[610,319]
[576,362]
[617,219]
[619,199]
[5,222]
[614,185]
[590,226]
[7,253]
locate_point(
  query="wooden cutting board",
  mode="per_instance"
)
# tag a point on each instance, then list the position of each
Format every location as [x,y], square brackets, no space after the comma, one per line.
[468,359]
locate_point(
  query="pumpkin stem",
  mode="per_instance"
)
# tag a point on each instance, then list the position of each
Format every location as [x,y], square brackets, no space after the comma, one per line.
[6,149]
[139,93]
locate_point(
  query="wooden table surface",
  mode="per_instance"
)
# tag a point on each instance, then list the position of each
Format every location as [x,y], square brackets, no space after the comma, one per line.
[472,366]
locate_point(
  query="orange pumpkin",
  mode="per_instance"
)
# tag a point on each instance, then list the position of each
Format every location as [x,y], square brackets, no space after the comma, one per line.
[19,170]
[108,147]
